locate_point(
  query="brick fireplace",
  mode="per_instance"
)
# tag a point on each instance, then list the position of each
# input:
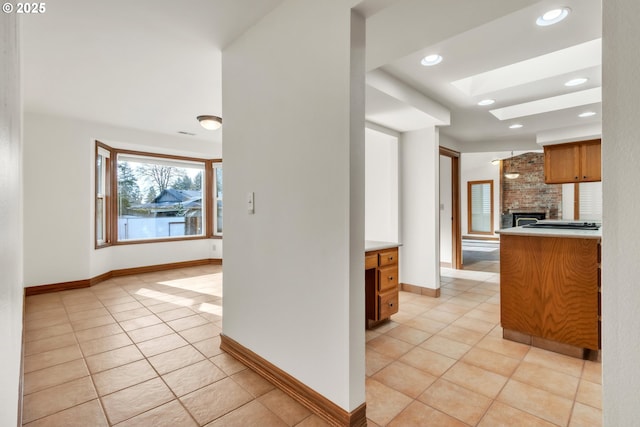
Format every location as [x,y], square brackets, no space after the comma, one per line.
[528,193]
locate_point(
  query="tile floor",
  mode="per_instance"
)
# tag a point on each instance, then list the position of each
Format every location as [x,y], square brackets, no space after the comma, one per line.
[144,351]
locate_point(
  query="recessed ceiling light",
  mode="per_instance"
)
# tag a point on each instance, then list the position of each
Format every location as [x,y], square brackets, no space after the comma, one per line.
[576,82]
[553,16]
[430,60]
[515,126]
[486,102]
[587,114]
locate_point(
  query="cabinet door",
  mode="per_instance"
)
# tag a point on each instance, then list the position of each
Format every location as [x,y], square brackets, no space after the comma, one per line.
[590,161]
[561,163]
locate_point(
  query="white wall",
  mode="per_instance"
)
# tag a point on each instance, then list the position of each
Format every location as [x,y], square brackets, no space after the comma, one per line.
[59,157]
[568,208]
[621,239]
[446,210]
[381,186]
[11,276]
[420,225]
[294,135]
[478,167]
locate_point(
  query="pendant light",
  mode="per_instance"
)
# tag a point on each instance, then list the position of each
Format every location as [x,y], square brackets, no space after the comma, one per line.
[510,173]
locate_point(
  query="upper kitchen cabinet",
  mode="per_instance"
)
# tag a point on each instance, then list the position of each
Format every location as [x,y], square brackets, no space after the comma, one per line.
[573,162]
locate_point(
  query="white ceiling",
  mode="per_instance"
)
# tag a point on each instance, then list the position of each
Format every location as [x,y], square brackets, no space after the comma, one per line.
[155,64]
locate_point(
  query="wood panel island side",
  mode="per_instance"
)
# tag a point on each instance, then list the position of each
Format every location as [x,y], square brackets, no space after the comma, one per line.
[550,289]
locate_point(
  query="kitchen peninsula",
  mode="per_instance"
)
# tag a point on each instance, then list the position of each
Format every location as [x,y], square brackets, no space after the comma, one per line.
[381,281]
[550,287]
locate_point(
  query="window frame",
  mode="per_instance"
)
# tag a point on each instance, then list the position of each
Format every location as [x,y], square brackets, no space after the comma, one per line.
[102,176]
[111,202]
[215,164]
[470,229]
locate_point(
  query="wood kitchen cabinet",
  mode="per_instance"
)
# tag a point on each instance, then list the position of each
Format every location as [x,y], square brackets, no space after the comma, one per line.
[381,281]
[573,162]
[550,291]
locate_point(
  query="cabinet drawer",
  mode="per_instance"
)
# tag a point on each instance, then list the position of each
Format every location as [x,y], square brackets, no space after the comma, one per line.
[388,278]
[388,257]
[370,261]
[388,304]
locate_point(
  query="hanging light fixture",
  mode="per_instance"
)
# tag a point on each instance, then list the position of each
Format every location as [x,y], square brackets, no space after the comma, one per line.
[510,173]
[210,122]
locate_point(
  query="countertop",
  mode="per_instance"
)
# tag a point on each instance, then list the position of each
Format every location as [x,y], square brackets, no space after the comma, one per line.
[551,232]
[372,245]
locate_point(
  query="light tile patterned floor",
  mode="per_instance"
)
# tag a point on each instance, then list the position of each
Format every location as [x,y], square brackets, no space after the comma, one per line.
[144,351]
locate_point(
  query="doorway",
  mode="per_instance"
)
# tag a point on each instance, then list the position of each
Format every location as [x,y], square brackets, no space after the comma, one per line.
[449,201]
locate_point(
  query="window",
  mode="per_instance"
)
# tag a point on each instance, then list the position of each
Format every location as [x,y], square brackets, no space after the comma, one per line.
[103,173]
[155,197]
[589,201]
[159,198]
[480,207]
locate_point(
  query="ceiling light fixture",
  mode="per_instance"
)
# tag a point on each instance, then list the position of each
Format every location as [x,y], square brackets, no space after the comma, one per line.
[210,122]
[495,162]
[553,17]
[431,60]
[515,126]
[510,173]
[587,114]
[486,102]
[576,82]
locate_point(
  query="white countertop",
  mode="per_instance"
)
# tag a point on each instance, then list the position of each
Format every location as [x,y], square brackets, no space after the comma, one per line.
[372,245]
[551,232]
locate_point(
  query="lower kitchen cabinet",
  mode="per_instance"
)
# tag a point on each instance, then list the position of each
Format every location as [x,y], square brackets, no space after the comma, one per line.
[381,284]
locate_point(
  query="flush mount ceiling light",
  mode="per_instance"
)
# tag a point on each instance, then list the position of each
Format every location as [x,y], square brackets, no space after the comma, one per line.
[553,17]
[515,126]
[587,114]
[510,173]
[210,122]
[486,102]
[495,162]
[431,60]
[576,82]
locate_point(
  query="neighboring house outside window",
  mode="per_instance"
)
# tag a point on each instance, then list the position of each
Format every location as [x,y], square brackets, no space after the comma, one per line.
[156,197]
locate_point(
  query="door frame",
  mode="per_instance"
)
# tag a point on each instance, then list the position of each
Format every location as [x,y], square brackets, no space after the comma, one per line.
[456,232]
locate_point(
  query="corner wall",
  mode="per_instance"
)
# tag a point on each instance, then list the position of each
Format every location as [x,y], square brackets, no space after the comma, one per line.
[293,101]
[420,212]
[381,186]
[11,240]
[620,240]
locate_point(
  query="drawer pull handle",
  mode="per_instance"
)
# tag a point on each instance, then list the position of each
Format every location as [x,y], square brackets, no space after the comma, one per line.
[390,258]
[390,278]
[390,304]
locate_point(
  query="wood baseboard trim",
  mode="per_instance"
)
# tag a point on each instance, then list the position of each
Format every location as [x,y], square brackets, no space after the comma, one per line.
[56,287]
[164,267]
[78,284]
[309,398]
[414,289]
